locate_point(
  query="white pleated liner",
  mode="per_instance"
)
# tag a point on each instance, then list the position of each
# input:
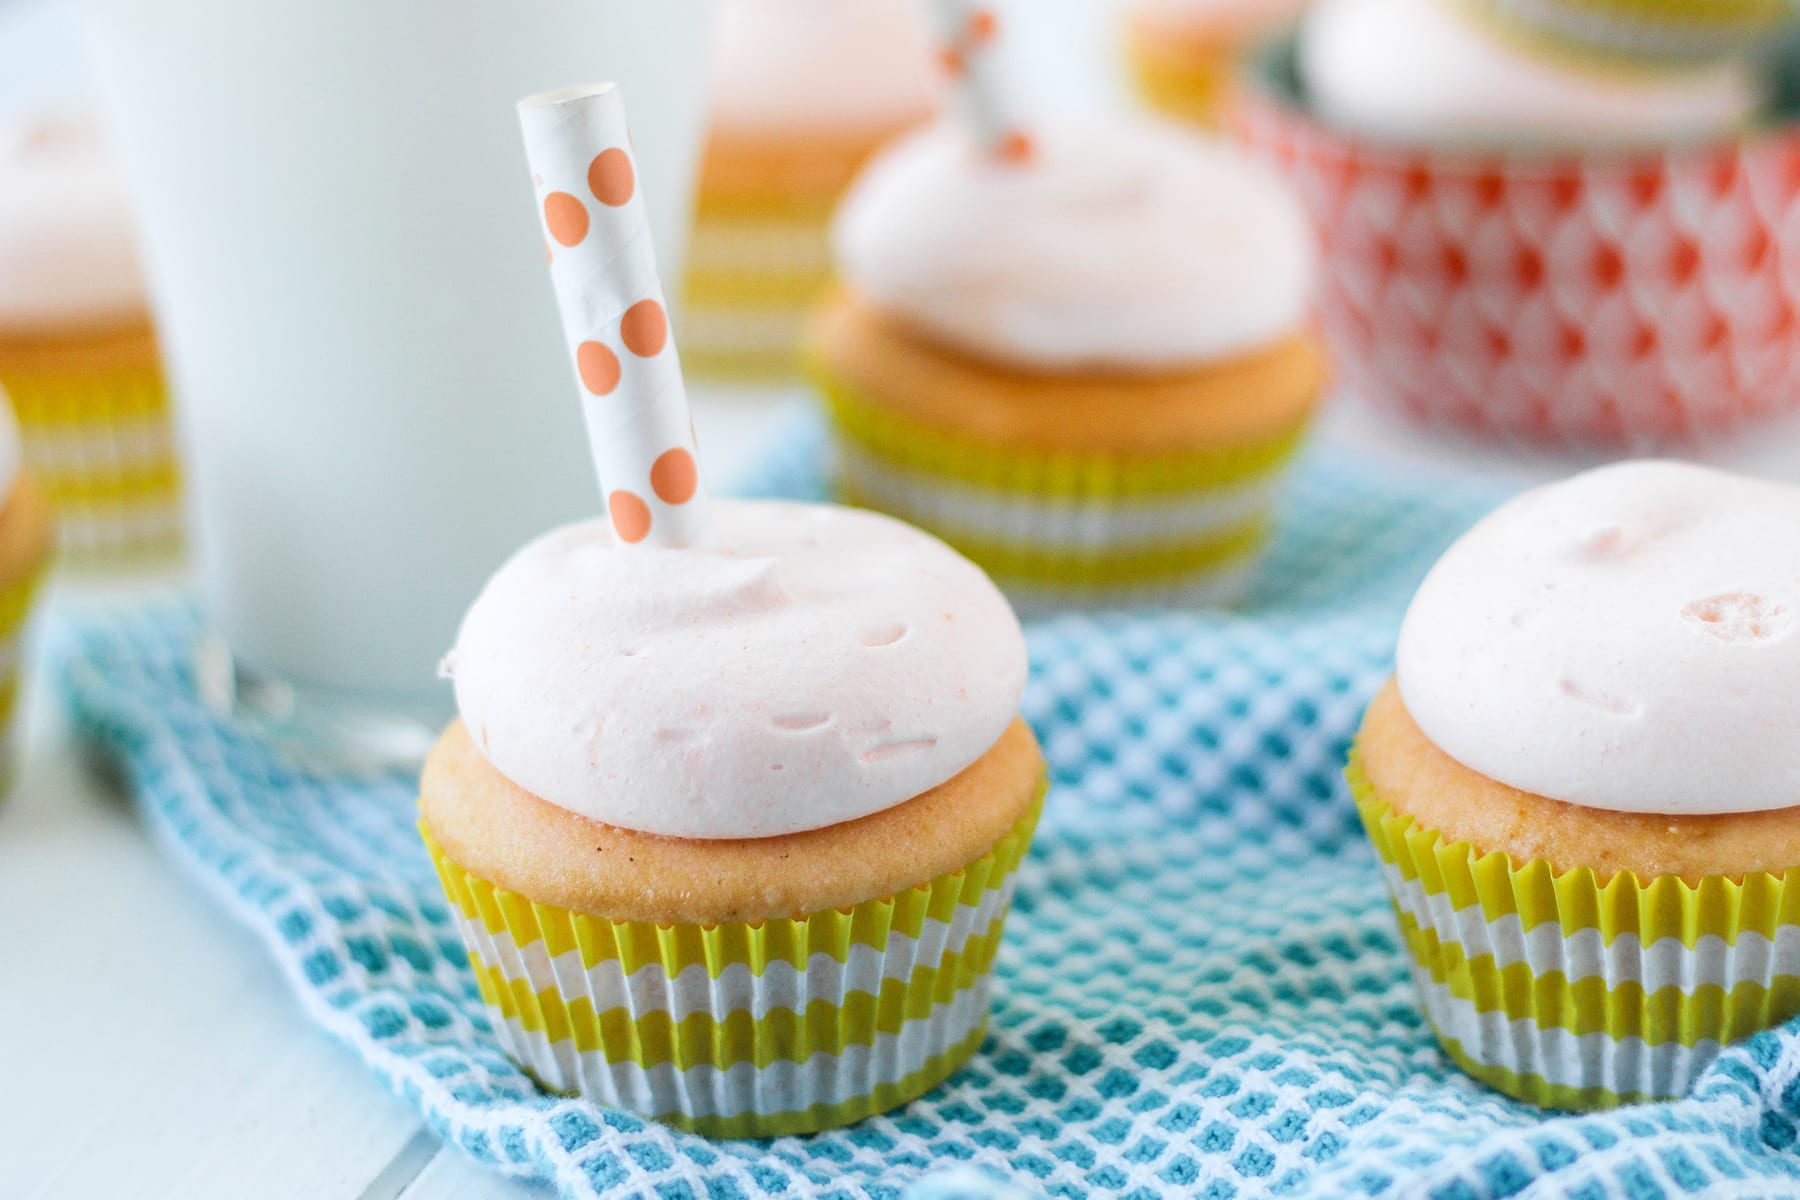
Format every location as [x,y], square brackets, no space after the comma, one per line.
[705,1091]
[1623,1066]
[1060,523]
[781,1087]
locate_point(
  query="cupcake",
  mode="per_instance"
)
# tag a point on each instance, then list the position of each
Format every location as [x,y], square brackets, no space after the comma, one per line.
[1637,32]
[732,830]
[1534,251]
[1185,54]
[1582,784]
[804,91]
[1086,371]
[27,544]
[77,351]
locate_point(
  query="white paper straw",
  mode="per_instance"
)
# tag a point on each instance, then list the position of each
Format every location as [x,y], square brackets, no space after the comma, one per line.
[603,264]
[969,34]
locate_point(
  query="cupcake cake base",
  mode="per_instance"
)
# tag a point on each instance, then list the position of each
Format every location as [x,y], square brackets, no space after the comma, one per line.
[736,989]
[1613,983]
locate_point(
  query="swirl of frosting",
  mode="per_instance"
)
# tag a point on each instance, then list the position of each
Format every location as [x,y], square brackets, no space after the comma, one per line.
[1130,246]
[67,256]
[1628,639]
[811,665]
[1415,70]
[784,67]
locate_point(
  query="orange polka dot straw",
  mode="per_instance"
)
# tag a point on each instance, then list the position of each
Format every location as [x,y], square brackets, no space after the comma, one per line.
[614,314]
[970,48]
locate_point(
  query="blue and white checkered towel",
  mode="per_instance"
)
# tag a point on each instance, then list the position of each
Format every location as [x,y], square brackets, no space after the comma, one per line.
[1201,992]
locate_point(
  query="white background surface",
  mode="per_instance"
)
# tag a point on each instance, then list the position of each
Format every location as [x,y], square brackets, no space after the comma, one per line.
[184,1068]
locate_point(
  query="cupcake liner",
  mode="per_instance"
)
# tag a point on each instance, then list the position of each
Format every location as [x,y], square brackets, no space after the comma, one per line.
[1612,299]
[1053,527]
[751,282]
[16,600]
[1654,32]
[745,1029]
[102,445]
[1569,993]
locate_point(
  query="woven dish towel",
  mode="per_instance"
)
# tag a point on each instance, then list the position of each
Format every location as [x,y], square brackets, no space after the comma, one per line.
[1201,992]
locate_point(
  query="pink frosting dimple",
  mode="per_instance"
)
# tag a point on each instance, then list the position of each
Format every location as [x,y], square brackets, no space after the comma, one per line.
[1132,245]
[67,257]
[790,66]
[809,665]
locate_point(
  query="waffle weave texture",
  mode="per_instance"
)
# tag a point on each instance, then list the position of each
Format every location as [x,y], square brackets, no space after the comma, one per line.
[1201,992]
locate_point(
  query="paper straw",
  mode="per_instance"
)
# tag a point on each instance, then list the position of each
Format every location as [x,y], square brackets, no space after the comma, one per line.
[969,36]
[597,235]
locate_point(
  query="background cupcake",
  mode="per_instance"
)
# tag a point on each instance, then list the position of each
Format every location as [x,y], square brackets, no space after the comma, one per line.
[804,92]
[1582,787]
[77,351]
[1085,371]
[1534,250]
[1185,54]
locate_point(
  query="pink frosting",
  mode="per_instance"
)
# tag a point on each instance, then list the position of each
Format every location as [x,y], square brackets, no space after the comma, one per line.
[789,66]
[66,251]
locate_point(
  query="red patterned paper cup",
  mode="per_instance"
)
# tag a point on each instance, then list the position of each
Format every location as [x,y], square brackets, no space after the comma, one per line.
[1619,300]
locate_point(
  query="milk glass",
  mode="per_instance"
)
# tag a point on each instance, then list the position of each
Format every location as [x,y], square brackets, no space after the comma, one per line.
[350,280]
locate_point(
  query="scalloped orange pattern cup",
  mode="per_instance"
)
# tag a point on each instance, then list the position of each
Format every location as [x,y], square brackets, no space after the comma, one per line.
[1611,299]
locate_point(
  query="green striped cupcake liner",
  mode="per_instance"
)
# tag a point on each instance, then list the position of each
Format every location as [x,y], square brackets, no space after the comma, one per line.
[745,1029]
[1566,992]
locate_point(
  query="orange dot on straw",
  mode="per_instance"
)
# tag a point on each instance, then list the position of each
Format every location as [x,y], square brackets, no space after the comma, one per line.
[952,60]
[566,217]
[644,328]
[611,178]
[598,368]
[630,516]
[674,477]
[983,24]
[1016,147]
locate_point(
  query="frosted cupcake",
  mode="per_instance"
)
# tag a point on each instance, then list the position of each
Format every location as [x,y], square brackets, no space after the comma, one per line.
[27,544]
[1640,33]
[804,91]
[1582,786]
[77,351]
[1086,371]
[1532,250]
[1185,54]
[732,830]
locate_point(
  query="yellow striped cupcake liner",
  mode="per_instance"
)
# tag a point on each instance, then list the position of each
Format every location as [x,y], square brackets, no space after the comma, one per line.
[1060,527]
[16,602]
[102,445]
[745,1029]
[1568,993]
[753,277]
[1634,34]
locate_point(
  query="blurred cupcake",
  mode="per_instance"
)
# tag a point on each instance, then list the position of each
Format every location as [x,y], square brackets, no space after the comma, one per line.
[1185,54]
[732,830]
[804,91]
[1533,251]
[1638,32]
[27,544]
[77,351]
[1086,371]
[1582,786]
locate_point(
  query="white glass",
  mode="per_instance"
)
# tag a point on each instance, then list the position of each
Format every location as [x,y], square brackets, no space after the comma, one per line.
[350,280]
